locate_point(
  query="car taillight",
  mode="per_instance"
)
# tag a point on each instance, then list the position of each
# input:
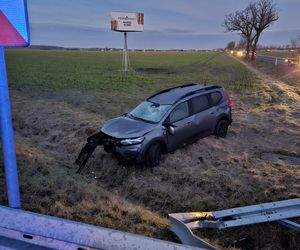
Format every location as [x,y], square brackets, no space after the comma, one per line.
[228,100]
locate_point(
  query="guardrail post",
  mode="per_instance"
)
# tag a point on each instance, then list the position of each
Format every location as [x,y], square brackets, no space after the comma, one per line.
[7,136]
[276,61]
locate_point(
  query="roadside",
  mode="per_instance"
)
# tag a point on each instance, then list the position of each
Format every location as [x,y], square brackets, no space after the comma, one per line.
[284,102]
[211,174]
[287,74]
[292,92]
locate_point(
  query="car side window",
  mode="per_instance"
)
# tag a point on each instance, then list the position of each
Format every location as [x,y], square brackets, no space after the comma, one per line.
[199,103]
[180,112]
[215,98]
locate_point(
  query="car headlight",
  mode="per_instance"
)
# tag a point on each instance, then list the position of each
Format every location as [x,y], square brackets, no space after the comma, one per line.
[132,141]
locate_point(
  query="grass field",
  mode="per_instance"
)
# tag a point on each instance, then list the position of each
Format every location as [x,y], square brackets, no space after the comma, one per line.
[59,98]
[101,70]
[82,78]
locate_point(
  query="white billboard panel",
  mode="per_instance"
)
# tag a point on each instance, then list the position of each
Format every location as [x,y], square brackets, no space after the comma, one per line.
[127,21]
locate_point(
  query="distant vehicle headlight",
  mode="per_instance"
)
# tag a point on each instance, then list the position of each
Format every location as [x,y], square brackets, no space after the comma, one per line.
[286,60]
[133,141]
[240,53]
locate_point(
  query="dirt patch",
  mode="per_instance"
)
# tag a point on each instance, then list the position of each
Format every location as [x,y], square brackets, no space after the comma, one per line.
[280,158]
[157,70]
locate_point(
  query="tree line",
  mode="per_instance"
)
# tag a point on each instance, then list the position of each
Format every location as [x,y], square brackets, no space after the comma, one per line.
[293,45]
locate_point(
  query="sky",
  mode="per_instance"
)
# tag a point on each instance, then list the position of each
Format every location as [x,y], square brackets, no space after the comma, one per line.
[169,24]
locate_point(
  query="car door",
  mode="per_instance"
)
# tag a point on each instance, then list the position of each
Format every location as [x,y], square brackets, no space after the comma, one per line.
[217,107]
[203,116]
[181,121]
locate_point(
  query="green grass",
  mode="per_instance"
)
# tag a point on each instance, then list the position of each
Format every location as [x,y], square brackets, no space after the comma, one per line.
[151,71]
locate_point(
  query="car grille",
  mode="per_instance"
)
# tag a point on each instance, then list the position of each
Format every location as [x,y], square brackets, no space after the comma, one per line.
[111,141]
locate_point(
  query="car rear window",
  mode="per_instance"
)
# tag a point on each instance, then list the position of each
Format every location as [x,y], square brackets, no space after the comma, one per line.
[199,103]
[215,98]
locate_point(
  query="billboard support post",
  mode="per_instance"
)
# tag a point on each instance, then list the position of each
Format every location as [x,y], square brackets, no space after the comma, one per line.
[7,136]
[125,53]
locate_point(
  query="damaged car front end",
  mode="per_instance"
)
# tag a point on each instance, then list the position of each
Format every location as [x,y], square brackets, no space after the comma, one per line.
[126,150]
[123,136]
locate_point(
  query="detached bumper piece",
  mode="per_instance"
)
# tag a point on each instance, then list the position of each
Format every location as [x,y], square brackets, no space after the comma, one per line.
[86,152]
[182,224]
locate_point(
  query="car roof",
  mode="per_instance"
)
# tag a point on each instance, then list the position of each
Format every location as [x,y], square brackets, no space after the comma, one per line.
[173,95]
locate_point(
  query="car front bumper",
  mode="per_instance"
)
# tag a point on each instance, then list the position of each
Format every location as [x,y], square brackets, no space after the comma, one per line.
[128,153]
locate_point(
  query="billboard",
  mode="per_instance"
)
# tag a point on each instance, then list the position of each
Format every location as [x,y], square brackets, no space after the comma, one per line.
[127,21]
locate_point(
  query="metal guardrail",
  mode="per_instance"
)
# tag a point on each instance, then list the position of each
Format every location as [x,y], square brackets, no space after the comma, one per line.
[277,60]
[273,60]
[280,211]
[26,230]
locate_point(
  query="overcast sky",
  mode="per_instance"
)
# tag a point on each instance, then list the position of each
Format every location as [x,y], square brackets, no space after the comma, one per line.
[168,24]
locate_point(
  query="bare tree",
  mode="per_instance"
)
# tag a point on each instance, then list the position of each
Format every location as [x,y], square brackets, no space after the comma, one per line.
[243,22]
[251,22]
[265,13]
[242,44]
[231,45]
[295,44]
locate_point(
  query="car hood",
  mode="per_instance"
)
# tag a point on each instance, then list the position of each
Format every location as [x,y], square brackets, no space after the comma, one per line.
[123,127]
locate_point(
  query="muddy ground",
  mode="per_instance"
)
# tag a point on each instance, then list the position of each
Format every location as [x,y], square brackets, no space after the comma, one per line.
[211,174]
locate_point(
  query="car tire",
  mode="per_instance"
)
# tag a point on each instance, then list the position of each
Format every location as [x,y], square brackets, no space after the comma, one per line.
[221,128]
[153,155]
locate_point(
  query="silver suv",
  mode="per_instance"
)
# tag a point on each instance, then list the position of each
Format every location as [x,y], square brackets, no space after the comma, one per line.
[163,123]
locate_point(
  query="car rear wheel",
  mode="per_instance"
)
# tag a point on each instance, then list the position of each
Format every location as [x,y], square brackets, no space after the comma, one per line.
[221,129]
[153,155]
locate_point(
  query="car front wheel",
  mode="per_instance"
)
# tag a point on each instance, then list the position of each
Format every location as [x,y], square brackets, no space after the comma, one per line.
[153,155]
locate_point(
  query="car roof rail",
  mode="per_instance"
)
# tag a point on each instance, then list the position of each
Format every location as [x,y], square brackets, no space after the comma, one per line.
[166,90]
[199,91]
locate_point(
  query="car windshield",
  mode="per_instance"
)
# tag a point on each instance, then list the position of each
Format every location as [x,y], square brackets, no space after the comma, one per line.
[149,111]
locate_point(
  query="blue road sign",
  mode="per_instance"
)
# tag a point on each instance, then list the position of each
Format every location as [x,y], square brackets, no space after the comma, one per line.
[14,28]
[14,31]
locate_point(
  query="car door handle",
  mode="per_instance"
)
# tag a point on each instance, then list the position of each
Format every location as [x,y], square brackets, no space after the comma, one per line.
[212,113]
[188,123]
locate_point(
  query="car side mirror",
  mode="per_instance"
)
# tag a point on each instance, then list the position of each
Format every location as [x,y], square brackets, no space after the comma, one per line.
[170,127]
[171,130]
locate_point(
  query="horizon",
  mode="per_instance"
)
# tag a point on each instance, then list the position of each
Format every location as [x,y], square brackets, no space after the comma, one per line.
[193,25]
